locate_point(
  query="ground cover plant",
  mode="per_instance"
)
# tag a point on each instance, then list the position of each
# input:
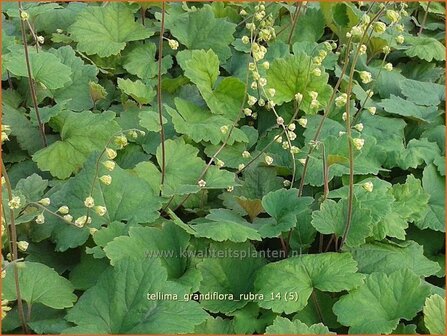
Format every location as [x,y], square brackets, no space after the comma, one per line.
[223,168]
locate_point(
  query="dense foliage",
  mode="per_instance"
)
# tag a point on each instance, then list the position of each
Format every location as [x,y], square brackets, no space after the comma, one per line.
[223,168]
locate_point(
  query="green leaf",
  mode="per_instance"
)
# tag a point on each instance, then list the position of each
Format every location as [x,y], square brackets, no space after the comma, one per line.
[423,93]
[434,185]
[389,257]
[219,178]
[33,9]
[81,134]
[167,243]
[39,284]
[283,206]
[32,187]
[46,68]
[85,274]
[182,176]
[390,131]
[215,326]
[223,224]
[129,285]
[44,320]
[202,68]
[230,155]
[340,17]
[329,272]
[406,108]
[140,92]
[140,61]
[368,160]
[182,169]
[231,272]
[319,309]
[201,125]
[198,30]
[97,92]
[127,198]
[78,89]
[104,236]
[309,27]
[436,134]
[380,202]
[258,182]
[150,120]
[434,314]
[292,75]
[405,329]
[282,325]
[411,199]
[44,253]
[381,302]
[303,235]
[417,152]
[391,225]
[47,113]
[425,48]
[251,319]
[331,218]
[105,30]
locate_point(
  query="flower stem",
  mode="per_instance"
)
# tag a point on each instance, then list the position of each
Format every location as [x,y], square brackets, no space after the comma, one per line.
[31,81]
[296,15]
[421,29]
[349,137]
[12,233]
[159,97]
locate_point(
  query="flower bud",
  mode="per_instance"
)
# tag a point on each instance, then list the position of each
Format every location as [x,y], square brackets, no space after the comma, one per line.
[24,15]
[368,186]
[89,202]
[68,218]
[358,143]
[63,210]
[173,44]
[224,129]
[366,77]
[22,245]
[111,154]
[341,100]
[45,201]
[280,121]
[106,179]
[100,210]
[109,165]
[392,15]
[246,154]
[40,219]
[388,67]
[298,97]
[302,122]
[400,39]
[359,127]
[14,203]
[379,27]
